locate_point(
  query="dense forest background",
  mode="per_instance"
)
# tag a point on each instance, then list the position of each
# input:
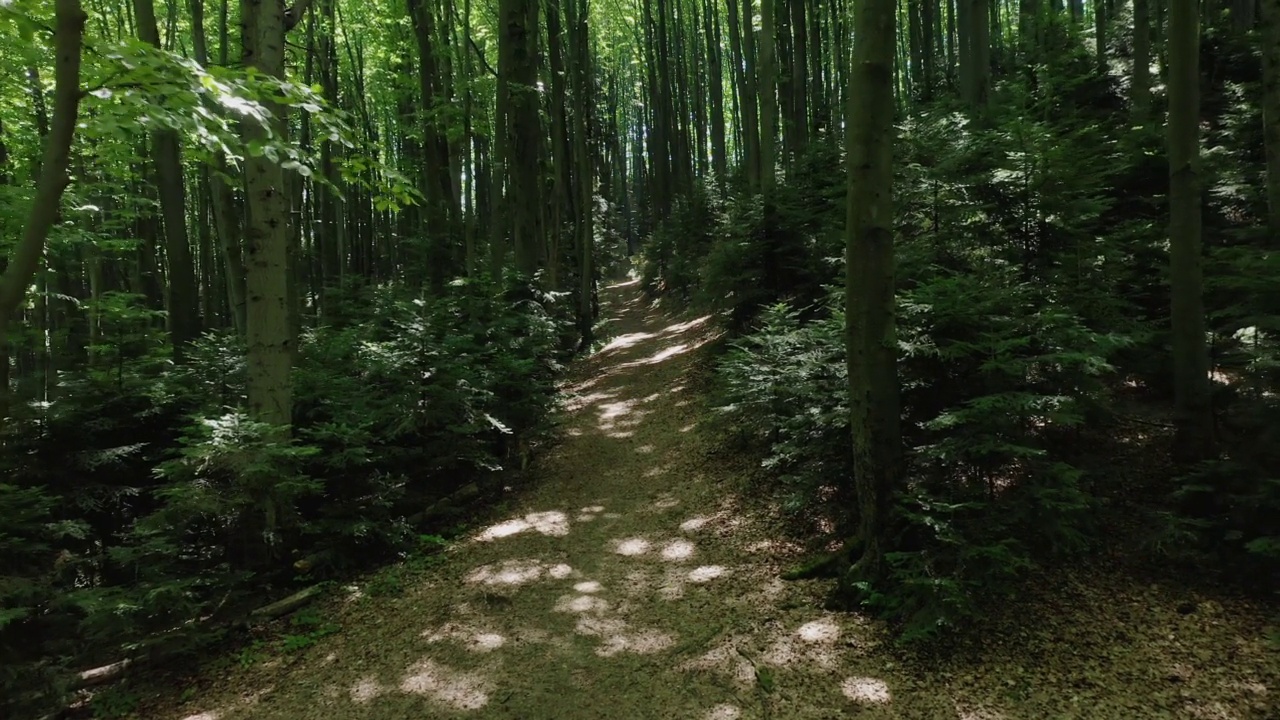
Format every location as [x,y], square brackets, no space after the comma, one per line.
[286,289]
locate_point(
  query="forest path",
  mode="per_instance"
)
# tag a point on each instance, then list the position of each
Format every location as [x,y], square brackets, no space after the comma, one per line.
[631,582]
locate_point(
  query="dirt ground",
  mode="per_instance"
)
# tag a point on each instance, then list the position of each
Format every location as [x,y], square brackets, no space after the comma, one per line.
[631,580]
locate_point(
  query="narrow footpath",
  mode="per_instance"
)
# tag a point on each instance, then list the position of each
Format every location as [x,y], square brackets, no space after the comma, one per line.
[630,581]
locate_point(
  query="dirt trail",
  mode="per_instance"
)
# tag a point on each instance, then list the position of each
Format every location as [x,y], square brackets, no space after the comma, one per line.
[630,584]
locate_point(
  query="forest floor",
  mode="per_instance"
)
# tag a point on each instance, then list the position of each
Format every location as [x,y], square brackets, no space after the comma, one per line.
[634,576]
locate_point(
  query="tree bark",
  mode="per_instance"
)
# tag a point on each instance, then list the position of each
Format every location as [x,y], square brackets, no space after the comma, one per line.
[768,95]
[181,293]
[1140,80]
[1194,439]
[269,340]
[869,282]
[518,63]
[1271,112]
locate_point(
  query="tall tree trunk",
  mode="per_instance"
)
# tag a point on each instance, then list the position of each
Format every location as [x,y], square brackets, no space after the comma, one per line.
[518,63]
[433,176]
[1194,439]
[869,283]
[267,232]
[1100,34]
[743,69]
[768,95]
[1140,81]
[1271,112]
[719,159]
[69,21]
[182,298]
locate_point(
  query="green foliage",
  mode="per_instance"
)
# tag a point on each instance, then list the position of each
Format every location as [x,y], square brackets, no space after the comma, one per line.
[1008,328]
[173,507]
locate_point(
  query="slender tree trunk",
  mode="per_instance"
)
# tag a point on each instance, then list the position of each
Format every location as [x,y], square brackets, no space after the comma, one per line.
[742,71]
[1100,34]
[1140,81]
[719,159]
[1194,439]
[871,332]
[182,299]
[1271,112]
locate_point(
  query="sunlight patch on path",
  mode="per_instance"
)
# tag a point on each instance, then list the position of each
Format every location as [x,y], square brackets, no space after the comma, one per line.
[474,638]
[581,604]
[819,631]
[553,523]
[706,573]
[723,712]
[631,547]
[462,690]
[865,690]
[724,658]
[617,637]
[678,550]
[517,572]
[623,342]
[366,690]
[589,586]
[695,524]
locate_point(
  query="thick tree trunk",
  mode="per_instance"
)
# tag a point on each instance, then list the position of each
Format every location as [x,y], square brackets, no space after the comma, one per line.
[270,351]
[1194,439]
[518,63]
[768,95]
[869,286]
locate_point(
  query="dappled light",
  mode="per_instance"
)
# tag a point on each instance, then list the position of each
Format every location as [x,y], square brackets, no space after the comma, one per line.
[677,550]
[473,638]
[866,690]
[366,690]
[581,604]
[825,630]
[517,572]
[625,584]
[706,573]
[552,523]
[457,689]
[694,524]
[623,342]
[617,637]
[631,547]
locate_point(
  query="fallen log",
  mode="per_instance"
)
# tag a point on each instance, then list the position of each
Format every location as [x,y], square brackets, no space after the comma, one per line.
[287,605]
